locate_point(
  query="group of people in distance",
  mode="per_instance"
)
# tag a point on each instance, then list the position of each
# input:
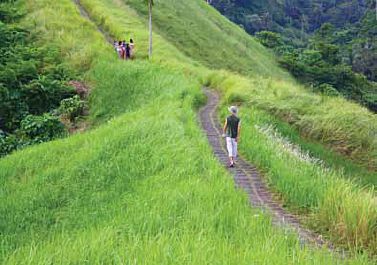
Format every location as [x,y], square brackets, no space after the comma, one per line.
[125,50]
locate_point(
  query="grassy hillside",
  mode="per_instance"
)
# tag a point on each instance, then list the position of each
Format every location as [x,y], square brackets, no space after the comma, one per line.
[294,104]
[140,188]
[341,125]
[143,186]
[203,34]
[216,43]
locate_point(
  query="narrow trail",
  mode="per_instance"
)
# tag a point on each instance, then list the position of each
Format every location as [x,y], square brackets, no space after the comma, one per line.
[247,177]
[86,15]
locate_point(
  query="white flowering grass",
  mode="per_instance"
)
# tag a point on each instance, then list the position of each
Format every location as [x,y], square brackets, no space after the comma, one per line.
[335,206]
[274,135]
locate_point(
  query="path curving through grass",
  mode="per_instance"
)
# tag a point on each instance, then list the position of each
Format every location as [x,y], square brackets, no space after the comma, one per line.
[247,177]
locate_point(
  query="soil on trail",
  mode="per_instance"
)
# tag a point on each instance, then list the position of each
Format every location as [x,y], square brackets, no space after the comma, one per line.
[247,177]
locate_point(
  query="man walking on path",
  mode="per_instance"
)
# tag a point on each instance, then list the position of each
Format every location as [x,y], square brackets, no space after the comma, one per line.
[231,130]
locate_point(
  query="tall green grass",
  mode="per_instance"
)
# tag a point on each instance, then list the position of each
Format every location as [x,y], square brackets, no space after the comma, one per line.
[141,188]
[123,23]
[76,38]
[200,32]
[331,205]
[343,126]
[330,159]
[129,88]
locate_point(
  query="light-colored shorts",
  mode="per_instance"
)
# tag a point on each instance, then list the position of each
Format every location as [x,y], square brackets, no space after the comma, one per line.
[231,145]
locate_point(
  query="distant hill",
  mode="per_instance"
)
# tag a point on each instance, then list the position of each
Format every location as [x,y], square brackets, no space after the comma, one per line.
[353,34]
[293,18]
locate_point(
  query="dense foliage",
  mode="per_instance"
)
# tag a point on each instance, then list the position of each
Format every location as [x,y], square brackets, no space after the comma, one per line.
[320,65]
[32,85]
[329,63]
[293,17]
[358,45]
[354,20]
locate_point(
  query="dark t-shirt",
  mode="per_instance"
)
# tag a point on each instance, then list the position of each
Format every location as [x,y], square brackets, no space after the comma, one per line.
[232,126]
[128,51]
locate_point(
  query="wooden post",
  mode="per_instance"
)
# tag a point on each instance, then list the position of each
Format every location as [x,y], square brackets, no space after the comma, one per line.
[150,4]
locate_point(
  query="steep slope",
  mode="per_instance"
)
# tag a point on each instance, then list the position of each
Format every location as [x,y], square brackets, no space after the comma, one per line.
[203,34]
[330,120]
[144,186]
[140,188]
[317,117]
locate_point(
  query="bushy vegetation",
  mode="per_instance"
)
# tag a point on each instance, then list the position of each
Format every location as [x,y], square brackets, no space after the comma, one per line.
[320,66]
[294,19]
[359,43]
[72,108]
[32,84]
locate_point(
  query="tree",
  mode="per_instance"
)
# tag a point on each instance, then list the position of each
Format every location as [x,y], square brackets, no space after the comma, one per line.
[269,39]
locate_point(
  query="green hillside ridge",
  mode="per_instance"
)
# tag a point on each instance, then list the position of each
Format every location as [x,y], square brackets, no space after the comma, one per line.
[315,116]
[113,22]
[290,102]
[90,198]
[145,187]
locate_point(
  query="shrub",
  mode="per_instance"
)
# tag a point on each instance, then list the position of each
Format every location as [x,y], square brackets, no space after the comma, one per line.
[42,128]
[7,143]
[328,90]
[269,39]
[72,108]
[45,94]
[32,82]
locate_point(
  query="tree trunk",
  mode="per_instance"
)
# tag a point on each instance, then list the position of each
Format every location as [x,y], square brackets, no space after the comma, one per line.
[150,28]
